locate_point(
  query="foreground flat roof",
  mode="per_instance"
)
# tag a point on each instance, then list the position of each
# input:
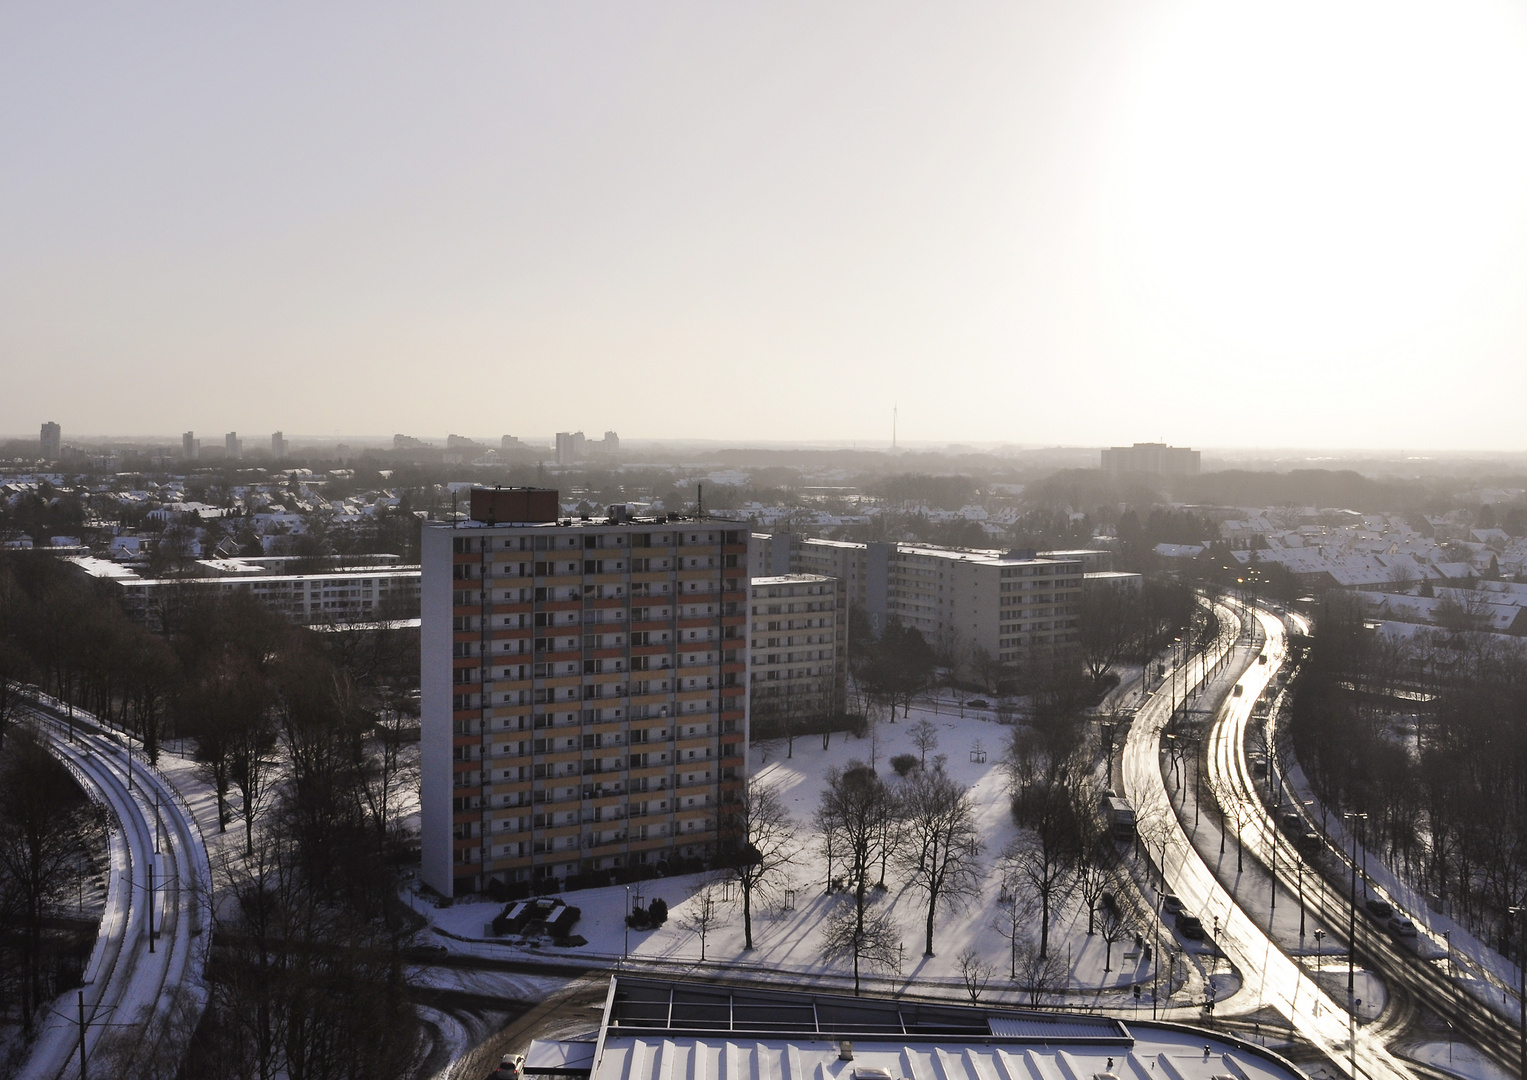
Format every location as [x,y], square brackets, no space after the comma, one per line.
[659,1030]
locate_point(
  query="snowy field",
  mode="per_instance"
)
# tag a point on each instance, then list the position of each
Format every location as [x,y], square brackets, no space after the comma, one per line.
[787,935]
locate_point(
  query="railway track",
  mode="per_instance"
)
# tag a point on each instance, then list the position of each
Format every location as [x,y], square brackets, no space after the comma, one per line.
[1327,892]
[160,876]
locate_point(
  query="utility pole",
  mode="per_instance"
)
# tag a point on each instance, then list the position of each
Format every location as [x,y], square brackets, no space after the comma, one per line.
[1353,819]
[82,1034]
[1521,970]
[151,906]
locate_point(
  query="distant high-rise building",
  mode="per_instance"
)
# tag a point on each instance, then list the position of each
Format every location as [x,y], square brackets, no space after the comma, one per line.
[278,445]
[1158,459]
[52,441]
[189,446]
[611,442]
[569,446]
[510,442]
[233,446]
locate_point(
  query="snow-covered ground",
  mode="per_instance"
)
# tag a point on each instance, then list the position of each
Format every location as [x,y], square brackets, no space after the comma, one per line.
[787,936]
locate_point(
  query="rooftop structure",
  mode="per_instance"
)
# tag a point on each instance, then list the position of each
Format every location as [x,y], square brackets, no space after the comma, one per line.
[655,1030]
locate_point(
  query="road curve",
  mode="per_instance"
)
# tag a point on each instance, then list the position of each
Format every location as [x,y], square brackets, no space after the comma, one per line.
[1265,970]
[127,986]
[1399,965]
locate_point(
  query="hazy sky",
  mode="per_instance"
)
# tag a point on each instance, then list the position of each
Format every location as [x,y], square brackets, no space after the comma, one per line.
[1068,222]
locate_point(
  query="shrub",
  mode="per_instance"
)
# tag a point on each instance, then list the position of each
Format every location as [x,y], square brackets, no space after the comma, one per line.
[657,912]
[904,763]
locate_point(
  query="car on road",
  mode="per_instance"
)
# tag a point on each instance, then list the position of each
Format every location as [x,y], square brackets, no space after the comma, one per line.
[977,703]
[1401,927]
[1171,903]
[511,1067]
[1379,909]
[1190,926]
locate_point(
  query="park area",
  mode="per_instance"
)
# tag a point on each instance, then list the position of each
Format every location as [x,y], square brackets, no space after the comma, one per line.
[987,927]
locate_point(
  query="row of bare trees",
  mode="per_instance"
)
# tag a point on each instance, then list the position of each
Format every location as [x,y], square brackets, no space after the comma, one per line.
[922,827]
[51,840]
[301,736]
[1428,738]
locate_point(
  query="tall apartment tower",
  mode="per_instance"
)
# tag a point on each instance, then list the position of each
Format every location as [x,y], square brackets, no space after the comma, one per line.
[189,446]
[570,446]
[584,693]
[278,445]
[52,441]
[233,446]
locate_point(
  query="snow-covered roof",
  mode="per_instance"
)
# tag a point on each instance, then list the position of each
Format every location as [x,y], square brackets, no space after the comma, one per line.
[661,1031]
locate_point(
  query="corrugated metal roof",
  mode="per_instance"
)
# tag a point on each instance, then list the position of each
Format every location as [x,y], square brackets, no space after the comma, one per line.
[1179,1055]
[553,1056]
[1054,1027]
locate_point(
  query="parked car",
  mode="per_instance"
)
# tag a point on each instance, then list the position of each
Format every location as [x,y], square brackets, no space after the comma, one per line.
[1171,903]
[977,703]
[512,1067]
[1190,926]
[1379,909]
[1402,927]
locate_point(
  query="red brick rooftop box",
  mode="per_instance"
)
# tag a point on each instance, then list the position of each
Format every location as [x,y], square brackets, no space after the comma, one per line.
[501,506]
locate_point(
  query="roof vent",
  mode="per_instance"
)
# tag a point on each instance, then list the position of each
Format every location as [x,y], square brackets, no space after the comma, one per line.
[846,1051]
[870,1073]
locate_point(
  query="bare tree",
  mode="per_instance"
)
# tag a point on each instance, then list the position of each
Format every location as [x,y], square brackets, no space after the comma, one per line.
[986,667]
[1045,853]
[925,737]
[1105,626]
[760,840]
[863,937]
[1091,882]
[975,972]
[1017,906]
[1112,927]
[1042,976]
[47,829]
[702,915]
[942,847]
[852,820]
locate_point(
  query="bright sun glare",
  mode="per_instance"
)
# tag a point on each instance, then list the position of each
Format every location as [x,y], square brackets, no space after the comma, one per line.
[1320,179]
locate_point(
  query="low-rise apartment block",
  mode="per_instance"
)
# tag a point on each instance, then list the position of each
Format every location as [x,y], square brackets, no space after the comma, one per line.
[339,595]
[797,637]
[1019,606]
[584,692]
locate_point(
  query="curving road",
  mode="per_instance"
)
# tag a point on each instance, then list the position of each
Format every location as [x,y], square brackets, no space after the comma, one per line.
[1267,972]
[128,988]
[1413,967]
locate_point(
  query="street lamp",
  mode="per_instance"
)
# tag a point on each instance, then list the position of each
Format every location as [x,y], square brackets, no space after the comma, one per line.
[1319,937]
[1299,865]
[1521,972]
[1353,817]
